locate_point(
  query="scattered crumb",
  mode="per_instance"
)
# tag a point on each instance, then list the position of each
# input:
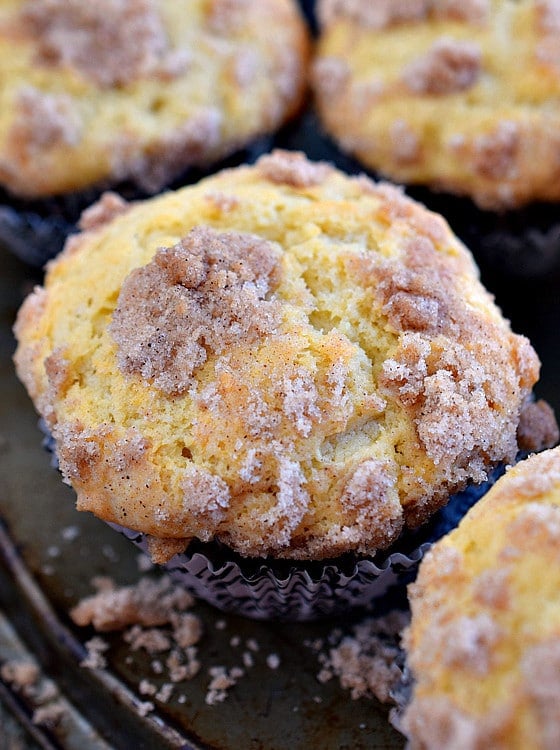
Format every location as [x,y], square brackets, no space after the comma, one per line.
[69,533]
[50,715]
[220,625]
[157,666]
[273,661]
[366,662]
[21,675]
[150,602]
[145,708]
[144,563]
[221,682]
[147,688]
[164,693]
[94,658]
[252,645]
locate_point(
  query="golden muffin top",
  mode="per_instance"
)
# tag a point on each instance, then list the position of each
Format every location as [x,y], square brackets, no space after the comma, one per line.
[460,95]
[484,641]
[282,357]
[94,93]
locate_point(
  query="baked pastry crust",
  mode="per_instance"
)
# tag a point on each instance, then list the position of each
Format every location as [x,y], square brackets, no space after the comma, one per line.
[99,93]
[290,360]
[462,96]
[484,640]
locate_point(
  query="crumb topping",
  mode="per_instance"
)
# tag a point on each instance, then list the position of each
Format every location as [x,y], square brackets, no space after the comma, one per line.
[470,11]
[206,498]
[492,588]
[405,142]
[436,723]
[377,15]
[371,494]
[102,211]
[195,299]
[385,13]
[548,15]
[43,121]
[450,65]
[331,75]
[494,154]
[111,42]
[292,168]
[441,338]
[226,16]
[540,666]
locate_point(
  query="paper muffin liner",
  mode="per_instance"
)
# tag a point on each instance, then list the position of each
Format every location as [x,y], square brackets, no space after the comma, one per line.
[281,590]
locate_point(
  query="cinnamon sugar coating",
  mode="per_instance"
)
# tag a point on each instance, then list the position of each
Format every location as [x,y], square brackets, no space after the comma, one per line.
[290,360]
[484,638]
[458,95]
[94,94]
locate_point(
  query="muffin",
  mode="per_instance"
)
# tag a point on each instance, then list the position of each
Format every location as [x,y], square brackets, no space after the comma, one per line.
[294,363]
[484,640]
[459,97]
[136,92]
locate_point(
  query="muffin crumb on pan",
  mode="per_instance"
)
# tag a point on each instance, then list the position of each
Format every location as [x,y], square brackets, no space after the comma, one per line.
[322,367]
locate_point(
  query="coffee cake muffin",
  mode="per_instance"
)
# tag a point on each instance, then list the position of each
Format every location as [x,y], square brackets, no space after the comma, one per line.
[137,91]
[484,641]
[459,101]
[290,361]
[461,96]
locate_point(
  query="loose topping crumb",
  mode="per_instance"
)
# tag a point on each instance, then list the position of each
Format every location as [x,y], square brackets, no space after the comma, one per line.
[199,297]
[150,602]
[367,661]
[449,66]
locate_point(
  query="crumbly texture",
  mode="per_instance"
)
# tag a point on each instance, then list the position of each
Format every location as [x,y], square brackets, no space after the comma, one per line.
[140,90]
[459,95]
[321,368]
[368,660]
[484,639]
